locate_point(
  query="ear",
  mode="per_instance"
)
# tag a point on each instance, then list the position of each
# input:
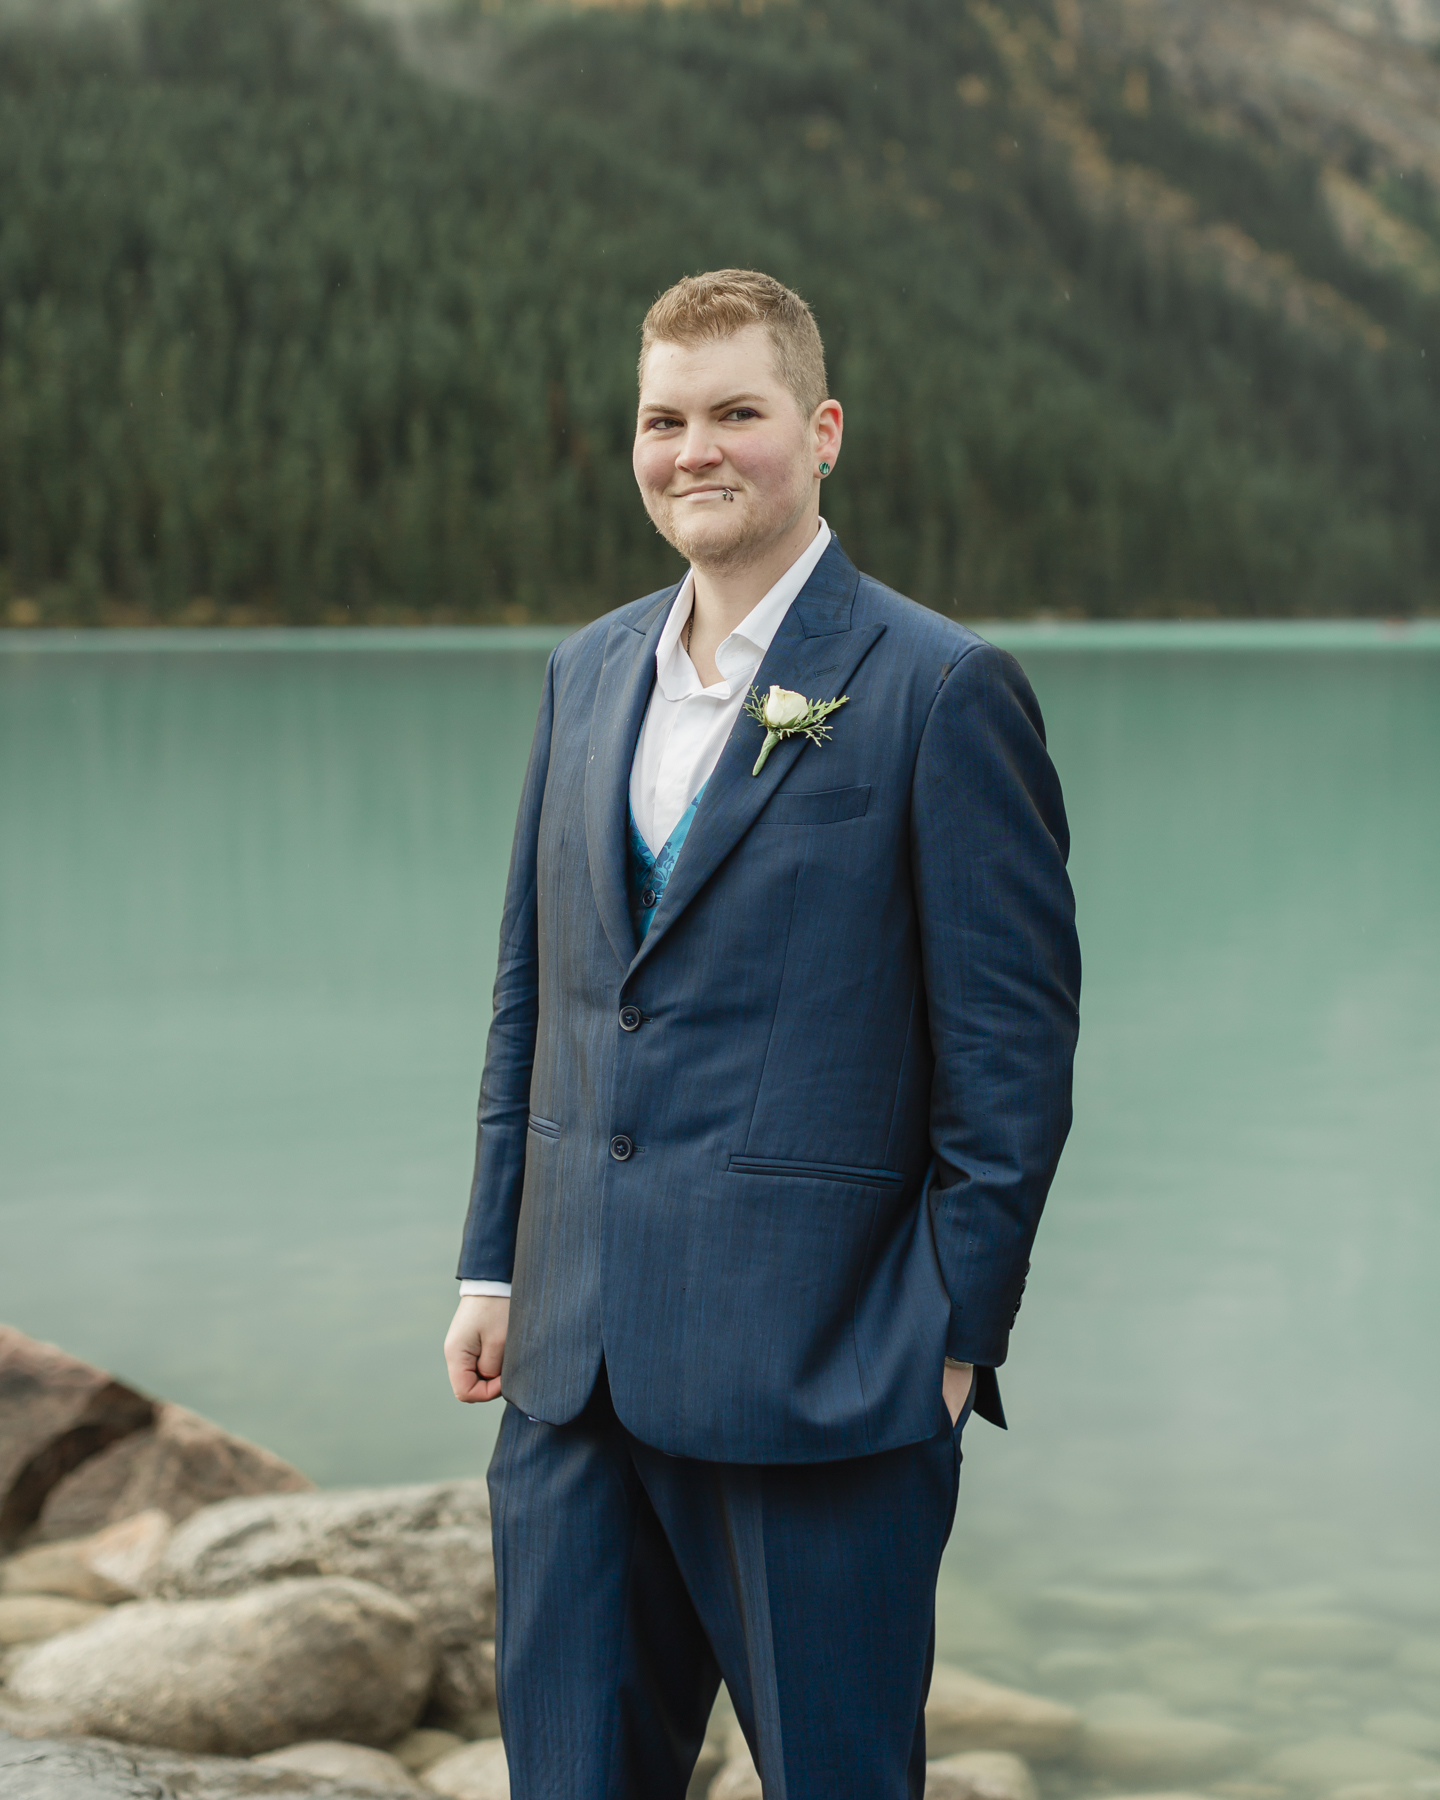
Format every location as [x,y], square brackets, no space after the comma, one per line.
[827,427]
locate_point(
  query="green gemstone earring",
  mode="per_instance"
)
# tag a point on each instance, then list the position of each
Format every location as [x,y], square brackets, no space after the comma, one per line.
[824,468]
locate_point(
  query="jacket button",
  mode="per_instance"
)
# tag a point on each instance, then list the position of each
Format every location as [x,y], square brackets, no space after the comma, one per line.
[647,899]
[629,1018]
[621,1149]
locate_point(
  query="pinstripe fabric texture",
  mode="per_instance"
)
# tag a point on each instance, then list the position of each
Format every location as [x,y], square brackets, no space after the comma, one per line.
[630,1582]
[821,1156]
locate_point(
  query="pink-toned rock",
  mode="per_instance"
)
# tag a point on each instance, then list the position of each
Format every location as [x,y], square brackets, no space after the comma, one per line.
[177,1465]
[56,1413]
[129,1553]
[115,1564]
[80,1451]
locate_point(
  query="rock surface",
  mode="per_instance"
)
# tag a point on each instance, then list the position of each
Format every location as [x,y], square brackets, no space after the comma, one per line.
[49,1770]
[966,1713]
[60,1570]
[478,1772]
[738,1780]
[111,1565]
[1132,1738]
[323,1657]
[177,1465]
[337,1761]
[1333,1761]
[80,1450]
[418,1750]
[30,1618]
[979,1775]
[713,1752]
[430,1544]
[56,1412]
[94,1769]
[129,1552]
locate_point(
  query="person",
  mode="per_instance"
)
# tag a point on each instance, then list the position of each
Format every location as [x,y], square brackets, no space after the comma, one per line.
[777,1080]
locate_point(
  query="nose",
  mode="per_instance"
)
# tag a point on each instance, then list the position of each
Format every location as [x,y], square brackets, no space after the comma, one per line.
[699,450]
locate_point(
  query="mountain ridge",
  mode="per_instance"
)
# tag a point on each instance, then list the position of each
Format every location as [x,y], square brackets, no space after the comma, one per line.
[311,315]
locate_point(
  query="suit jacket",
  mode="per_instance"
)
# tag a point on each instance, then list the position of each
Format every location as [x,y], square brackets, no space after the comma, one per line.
[775,1162]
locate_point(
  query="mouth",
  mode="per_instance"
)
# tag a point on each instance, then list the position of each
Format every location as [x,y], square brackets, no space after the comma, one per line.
[704,493]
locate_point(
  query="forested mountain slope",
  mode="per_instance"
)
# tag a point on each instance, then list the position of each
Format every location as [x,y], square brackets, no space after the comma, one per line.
[312,315]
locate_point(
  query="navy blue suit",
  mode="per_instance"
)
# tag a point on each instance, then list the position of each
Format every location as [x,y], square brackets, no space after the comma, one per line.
[769,1166]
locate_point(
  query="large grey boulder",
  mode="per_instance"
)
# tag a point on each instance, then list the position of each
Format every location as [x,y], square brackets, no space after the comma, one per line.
[965,1712]
[430,1544]
[418,1749]
[325,1657]
[95,1769]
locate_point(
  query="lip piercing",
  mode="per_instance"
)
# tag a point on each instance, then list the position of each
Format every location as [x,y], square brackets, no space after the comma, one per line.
[725,494]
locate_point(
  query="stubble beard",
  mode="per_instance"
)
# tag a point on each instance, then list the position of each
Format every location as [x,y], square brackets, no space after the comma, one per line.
[746,543]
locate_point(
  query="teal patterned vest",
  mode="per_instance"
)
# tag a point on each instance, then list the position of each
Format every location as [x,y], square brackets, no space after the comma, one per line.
[650,872]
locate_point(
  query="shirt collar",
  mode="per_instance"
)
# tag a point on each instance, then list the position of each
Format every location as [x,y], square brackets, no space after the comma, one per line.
[741,654]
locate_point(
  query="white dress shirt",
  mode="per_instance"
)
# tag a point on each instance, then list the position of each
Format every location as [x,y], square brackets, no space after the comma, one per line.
[687,724]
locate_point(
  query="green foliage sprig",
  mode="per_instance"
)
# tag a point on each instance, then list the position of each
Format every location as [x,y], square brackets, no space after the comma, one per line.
[784,714]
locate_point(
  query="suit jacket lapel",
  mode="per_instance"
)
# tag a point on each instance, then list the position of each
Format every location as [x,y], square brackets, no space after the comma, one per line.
[621,696]
[815,649]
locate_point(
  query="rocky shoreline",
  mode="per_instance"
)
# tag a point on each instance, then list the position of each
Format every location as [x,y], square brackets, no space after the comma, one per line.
[183,1617]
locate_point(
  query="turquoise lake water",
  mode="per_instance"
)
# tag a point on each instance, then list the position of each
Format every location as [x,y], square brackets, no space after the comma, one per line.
[249,894]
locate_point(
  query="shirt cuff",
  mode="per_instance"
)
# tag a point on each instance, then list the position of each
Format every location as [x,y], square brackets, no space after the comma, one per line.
[499,1290]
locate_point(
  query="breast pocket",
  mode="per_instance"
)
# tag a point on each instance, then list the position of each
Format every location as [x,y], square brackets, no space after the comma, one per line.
[830,806]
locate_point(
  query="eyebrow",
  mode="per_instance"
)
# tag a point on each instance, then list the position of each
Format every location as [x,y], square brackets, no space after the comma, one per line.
[655,406]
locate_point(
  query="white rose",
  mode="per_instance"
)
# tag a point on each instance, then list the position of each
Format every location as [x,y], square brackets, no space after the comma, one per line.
[784,708]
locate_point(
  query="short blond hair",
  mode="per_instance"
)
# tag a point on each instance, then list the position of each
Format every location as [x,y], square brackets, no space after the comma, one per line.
[724,301]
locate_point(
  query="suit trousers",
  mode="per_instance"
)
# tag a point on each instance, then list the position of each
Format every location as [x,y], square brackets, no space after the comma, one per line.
[630,1582]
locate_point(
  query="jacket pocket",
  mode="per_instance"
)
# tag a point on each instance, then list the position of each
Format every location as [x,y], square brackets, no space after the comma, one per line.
[546,1128]
[816,1171]
[828,807]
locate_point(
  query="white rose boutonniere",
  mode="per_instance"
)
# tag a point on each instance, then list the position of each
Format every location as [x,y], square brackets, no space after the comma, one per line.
[784,714]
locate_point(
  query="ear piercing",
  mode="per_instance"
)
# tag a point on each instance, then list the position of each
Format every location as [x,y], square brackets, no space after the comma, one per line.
[824,468]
